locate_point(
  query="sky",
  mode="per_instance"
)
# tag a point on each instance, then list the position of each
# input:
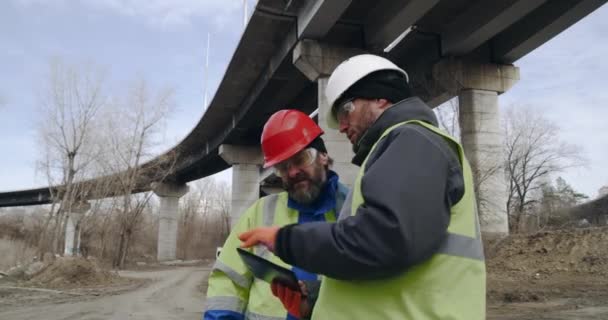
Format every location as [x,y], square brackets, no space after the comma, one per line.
[164,42]
[161,41]
[566,80]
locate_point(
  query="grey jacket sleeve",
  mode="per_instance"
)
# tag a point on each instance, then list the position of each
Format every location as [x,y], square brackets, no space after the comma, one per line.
[411,180]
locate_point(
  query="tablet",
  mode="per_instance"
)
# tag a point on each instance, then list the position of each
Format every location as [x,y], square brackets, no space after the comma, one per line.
[268,271]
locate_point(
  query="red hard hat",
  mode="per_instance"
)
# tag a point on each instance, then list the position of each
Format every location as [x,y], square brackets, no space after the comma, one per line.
[286,133]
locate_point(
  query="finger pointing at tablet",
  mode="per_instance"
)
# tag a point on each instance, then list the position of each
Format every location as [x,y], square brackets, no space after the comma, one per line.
[264,235]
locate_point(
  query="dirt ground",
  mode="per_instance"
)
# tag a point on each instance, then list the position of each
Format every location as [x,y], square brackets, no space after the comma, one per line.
[549,275]
[164,294]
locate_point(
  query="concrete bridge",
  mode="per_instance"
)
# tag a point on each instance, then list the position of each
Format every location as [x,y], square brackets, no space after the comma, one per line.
[463,48]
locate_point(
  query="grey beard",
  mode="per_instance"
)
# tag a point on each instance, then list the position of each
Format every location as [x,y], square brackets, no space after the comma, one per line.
[306,196]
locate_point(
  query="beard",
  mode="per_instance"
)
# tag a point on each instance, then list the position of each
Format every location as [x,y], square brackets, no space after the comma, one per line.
[366,120]
[306,193]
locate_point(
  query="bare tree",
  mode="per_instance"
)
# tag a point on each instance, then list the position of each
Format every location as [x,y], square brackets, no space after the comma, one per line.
[204,220]
[533,152]
[447,117]
[192,209]
[223,204]
[554,203]
[99,229]
[70,101]
[131,129]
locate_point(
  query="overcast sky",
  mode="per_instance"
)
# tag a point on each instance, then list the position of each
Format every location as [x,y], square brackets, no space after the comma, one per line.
[567,80]
[164,42]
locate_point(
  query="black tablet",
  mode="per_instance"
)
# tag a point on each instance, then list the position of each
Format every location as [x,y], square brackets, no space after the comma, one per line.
[268,271]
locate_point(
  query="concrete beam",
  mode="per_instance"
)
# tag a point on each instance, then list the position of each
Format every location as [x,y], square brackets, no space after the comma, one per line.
[168,194]
[246,162]
[317,17]
[440,99]
[265,173]
[170,190]
[482,139]
[456,74]
[283,44]
[316,59]
[539,26]
[385,24]
[338,146]
[233,154]
[478,86]
[483,21]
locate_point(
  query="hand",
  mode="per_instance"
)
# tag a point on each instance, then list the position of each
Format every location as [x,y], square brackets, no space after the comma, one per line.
[294,301]
[264,235]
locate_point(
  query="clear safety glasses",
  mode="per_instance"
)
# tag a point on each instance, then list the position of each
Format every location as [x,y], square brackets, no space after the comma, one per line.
[344,109]
[301,159]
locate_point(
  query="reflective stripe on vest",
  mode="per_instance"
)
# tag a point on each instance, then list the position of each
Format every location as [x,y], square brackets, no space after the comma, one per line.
[236,277]
[462,246]
[268,214]
[270,208]
[232,279]
[225,303]
[254,316]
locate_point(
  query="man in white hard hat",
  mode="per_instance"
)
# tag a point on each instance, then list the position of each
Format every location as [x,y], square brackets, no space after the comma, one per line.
[408,246]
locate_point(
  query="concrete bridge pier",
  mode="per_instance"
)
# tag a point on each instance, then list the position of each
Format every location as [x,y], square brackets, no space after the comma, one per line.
[168,194]
[246,164]
[73,227]
[317,61]
[478,86]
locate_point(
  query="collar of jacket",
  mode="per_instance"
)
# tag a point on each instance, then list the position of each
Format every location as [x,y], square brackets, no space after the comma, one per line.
[409,109]
[326,200]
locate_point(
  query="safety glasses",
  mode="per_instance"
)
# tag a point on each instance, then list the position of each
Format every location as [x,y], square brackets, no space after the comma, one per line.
[301,159]
[344,109]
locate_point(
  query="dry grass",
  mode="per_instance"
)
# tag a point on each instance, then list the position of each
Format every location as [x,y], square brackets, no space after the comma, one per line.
[14,252]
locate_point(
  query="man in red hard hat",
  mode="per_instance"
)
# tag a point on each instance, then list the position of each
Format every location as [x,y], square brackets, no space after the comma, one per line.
[292,145]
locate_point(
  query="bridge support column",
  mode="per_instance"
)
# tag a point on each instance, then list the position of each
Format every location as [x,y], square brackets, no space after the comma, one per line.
[246,163]
[317,61]
[73,227]
[168,194]
[478,86]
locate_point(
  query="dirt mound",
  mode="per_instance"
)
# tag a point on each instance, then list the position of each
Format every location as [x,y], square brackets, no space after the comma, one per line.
[522,296]
[548,265]
[71,272]
[541,254]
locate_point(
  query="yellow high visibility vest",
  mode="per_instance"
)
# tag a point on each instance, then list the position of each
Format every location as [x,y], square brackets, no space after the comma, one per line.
[449,285]
[232,287]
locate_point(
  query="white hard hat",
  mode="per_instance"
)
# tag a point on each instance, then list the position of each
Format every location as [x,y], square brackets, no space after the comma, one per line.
[348,73]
